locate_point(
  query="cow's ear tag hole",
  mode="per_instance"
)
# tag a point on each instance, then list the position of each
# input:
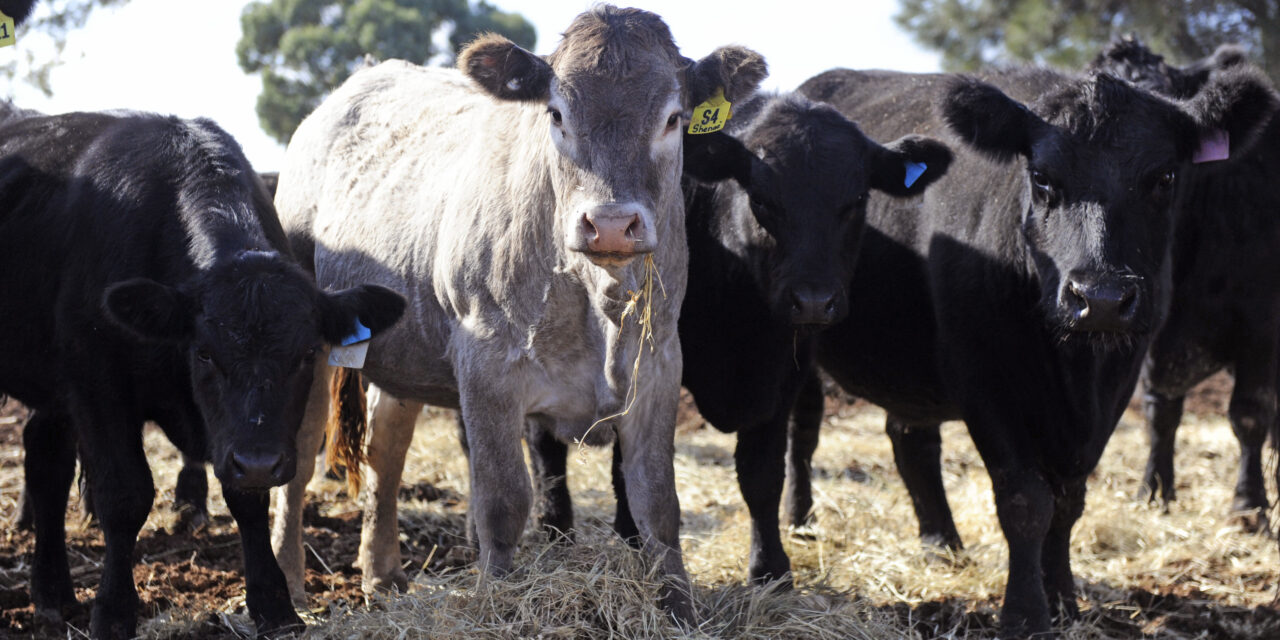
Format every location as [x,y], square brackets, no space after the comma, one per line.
[351,353]
[8,36]
[914,171]
[711,116]
[1215,145]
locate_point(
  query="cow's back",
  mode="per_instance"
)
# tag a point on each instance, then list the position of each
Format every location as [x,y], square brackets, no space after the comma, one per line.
[443,191]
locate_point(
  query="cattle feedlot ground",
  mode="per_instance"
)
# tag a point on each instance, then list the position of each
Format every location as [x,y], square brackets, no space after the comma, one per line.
[861,573]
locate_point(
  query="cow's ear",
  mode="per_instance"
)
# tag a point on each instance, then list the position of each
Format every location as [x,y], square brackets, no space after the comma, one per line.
[713,157]
[1238,101]
[985,118]
[150,310]
[908,165]
[505,70]
[377,308]
[738,70]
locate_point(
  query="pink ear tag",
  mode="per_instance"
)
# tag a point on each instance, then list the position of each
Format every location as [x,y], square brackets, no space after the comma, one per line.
[1214,146]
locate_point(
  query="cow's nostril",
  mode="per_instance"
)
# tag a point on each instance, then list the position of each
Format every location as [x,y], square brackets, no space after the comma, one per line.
[1128,301]
[633,229]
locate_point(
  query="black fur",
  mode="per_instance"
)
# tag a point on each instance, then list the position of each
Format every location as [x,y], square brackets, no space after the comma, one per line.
[149,279]
[969,306]
[1226,279]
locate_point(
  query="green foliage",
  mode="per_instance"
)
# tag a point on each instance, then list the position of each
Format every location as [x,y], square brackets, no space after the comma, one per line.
[306,48]
[1068,33]
[43,38]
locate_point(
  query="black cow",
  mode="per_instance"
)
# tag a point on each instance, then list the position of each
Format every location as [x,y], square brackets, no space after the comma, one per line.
[191,493]
[148,278]
[1020,295]
[775,214]
[1226,286]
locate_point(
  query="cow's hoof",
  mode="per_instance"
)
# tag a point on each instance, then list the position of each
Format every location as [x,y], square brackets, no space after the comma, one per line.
[112,627]
[806,531]
[191,519]
[284,625]
[679,604]
[778,579]
[460,556]
[397,582]
[1251,520]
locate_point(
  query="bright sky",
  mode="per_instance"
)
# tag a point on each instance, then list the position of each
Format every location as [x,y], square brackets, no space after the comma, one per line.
[178,56]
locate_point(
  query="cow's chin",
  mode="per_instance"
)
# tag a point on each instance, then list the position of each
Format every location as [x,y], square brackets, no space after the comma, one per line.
[1111,342]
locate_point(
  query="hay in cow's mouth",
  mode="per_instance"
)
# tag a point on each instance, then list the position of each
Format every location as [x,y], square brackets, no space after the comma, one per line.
[640,304]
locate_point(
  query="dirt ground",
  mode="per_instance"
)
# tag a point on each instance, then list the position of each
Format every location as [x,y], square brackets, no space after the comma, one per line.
[191,586]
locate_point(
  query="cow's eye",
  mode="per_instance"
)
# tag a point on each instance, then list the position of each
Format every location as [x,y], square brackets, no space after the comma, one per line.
[1040,180]
[203,355]
[862,199]
[673,121]
[556,118]
[1166,180]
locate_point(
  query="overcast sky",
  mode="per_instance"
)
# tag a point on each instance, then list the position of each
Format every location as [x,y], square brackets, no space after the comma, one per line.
[178,56]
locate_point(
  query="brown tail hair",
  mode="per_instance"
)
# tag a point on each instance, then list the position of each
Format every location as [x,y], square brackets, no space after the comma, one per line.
[345,431]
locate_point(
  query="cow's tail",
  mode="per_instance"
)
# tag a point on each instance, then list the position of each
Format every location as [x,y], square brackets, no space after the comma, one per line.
[345,431]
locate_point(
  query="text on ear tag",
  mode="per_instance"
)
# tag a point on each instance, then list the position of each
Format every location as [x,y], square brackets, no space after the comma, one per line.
[914,171]
[7,34]
[353,349]
[711,115]
[1214,145]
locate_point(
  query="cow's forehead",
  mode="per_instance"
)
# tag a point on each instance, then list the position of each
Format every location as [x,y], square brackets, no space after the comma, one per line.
[256,306]
[626,45]
[1112,126]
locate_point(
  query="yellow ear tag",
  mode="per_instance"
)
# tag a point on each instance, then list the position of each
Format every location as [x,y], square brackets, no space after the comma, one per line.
[7,36]
[711,115]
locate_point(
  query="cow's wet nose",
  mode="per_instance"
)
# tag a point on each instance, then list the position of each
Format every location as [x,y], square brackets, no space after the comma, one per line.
[614,229]
[1108,303]
[259,469]
[814,306]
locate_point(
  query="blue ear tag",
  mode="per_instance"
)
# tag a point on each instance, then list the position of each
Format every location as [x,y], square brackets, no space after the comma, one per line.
[351,353]
[914,171]
[361,334]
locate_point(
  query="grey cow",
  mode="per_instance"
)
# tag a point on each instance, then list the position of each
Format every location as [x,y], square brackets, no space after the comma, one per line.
[511,203]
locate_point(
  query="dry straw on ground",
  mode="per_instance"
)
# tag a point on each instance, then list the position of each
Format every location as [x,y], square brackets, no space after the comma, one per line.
[860,571]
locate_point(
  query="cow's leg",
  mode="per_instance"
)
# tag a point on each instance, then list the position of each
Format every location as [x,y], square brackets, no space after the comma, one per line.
[1164,413]
[624,524]
[553,507]
[760,458]
[266,590]
[917,451]
[286,527]
[646,441]
[50,466]
[1025,506]
[801,444]
[117,473]
[391,422]
[501,495]
[472,538]
[1252,412]
[1059,583]
[191,494]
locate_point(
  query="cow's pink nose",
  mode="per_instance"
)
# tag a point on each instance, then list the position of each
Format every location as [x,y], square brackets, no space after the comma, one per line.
[612,231]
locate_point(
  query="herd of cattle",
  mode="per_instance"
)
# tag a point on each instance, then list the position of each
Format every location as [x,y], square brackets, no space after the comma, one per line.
[1028,245]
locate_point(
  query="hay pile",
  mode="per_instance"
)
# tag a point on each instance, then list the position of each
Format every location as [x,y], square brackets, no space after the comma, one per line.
[860,571]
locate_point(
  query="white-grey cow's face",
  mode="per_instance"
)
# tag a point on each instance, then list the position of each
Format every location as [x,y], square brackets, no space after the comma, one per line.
[617,94]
